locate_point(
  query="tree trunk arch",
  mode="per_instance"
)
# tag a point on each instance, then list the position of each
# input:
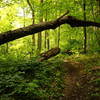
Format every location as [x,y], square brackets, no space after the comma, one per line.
[35,28]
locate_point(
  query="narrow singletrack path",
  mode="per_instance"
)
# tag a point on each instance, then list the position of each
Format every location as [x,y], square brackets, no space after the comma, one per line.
[73,71]
[78,83]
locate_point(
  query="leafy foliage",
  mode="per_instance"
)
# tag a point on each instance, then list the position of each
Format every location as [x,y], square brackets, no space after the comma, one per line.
[31,80]
[21,76]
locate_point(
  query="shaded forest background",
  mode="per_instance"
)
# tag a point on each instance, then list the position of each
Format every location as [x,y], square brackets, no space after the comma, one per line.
[24,76]
[16,14]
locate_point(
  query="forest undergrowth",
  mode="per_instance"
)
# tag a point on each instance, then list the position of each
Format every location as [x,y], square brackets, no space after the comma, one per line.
[30,79]
[62,77]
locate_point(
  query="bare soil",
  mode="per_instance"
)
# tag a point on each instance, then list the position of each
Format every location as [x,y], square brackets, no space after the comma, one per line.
[77,82]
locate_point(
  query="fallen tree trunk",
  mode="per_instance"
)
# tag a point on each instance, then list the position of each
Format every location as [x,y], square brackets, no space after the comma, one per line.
[35,28]
[48,54]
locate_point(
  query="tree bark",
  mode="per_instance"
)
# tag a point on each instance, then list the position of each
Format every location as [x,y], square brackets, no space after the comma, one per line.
[33,18]
[84,28]
[35,28]
[47,41]
[48,54]
[39,42]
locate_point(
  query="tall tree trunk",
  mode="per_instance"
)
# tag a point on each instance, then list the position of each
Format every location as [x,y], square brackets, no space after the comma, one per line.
[59,32]
[33,19]
[39,42]
[84,28]
[33,36]
[56,31]
[47,43]
[98,29]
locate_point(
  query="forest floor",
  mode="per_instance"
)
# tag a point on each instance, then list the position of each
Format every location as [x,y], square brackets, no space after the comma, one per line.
[79,83]
[75,77]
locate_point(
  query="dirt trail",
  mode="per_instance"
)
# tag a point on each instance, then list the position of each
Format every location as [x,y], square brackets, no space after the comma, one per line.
[78,84]
[73,72]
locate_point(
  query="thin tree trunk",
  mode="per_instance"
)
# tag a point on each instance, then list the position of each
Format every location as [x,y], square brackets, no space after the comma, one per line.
[39,42]
[84,28]
[33,36]
[58,36]
[59,33]
[7,47]
[56,31]
[47,43]
[94,18]
[33,19]
[40,33]
[98,30]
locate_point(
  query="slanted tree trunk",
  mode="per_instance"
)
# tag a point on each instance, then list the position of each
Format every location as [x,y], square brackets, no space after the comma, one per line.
[48,54]
[35,28]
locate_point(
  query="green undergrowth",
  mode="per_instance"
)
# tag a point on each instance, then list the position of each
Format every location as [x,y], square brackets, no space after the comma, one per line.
[88,60]
[31,80]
